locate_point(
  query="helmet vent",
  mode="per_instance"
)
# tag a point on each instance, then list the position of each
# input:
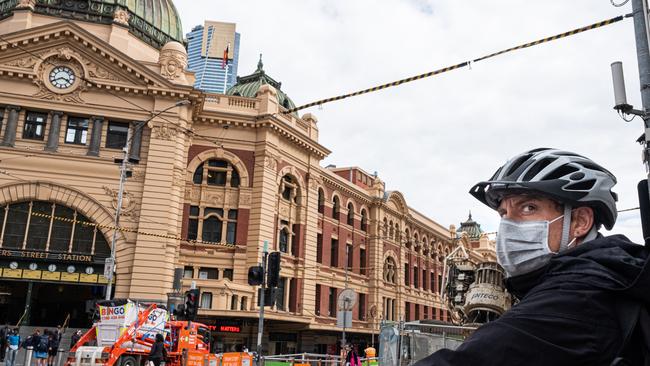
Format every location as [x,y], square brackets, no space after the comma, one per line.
[560,172]
[581,186]
[517,163]
[537,167]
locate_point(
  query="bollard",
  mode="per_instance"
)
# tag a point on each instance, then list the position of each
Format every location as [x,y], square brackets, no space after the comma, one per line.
[28,356]
[59,357]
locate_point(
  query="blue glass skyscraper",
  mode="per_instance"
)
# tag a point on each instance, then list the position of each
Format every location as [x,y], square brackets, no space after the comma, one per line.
[207,45]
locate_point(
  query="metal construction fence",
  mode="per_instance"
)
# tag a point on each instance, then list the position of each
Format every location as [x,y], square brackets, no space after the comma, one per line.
[313,359]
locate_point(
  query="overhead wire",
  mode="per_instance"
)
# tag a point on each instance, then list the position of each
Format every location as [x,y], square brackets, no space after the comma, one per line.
[458,65]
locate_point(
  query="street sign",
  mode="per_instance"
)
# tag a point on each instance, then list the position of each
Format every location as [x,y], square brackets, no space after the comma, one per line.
[108,268]
[346,300]
[344,319]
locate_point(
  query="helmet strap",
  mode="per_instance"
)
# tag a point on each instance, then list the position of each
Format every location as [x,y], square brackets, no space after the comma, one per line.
[566,226]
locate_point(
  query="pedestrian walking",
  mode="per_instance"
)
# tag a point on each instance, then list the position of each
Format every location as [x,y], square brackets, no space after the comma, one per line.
[75,338]
[53,346]
[158,351]
[13,342]
[4,333]
[352,359]
[41,346]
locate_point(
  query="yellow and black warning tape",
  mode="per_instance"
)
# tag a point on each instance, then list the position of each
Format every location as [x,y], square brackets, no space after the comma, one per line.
[129,230]
[460,65]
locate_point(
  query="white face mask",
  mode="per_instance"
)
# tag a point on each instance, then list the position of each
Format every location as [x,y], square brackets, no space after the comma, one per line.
[522,247]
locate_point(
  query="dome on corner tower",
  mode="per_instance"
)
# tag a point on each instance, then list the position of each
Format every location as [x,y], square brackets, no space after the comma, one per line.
[247,86]
[156,22]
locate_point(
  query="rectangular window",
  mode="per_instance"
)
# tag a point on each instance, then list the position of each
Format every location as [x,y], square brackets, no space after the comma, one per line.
[77,131]
[362,306]
[332,303]
[362,261]
[231,227]
[279,293]
[406,274]
[415,277]
[417,312]
[433,282]
[317,306]
[424,279]
[439,283]
[407,311]
[206,300]
[349,254]
[34,125]
[319,248]
[227,273]
[193,224]
[208,273]
[116,135]
[188,272]
[294,239]
[212,228]
[334,258]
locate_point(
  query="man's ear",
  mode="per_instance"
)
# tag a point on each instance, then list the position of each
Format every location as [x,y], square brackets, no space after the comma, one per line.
[582,220]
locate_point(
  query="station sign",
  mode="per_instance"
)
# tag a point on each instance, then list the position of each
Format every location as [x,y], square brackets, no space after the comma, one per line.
[30,254]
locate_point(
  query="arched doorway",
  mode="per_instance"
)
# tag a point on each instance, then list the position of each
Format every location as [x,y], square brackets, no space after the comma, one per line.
[51,264]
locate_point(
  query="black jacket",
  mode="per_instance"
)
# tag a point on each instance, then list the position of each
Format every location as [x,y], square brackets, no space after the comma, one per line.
[158,351]
[568,313]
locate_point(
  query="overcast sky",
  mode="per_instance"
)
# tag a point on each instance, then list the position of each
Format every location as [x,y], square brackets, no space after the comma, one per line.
[434,138]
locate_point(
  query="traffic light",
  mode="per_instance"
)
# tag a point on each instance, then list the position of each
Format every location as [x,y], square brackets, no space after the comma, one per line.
[179,312]
[273,277]
[270,295]
[255,275]
[191,303]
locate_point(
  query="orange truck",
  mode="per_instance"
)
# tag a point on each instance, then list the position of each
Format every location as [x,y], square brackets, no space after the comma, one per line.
[126,331]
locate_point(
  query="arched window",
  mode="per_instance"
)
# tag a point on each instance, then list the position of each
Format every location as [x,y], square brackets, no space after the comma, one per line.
[350,214]
[321,200]
[289,189]
[398,233]
[389,270]
[391,230]
[213,222]
[336,207]
[44,233]
[217,172]
[364,220]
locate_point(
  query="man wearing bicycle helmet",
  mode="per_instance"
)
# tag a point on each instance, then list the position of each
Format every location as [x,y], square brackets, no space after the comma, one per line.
[583,297]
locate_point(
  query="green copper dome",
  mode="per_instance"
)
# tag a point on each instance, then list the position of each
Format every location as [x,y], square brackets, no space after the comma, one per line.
[471,227]
[154,21]
[247,86]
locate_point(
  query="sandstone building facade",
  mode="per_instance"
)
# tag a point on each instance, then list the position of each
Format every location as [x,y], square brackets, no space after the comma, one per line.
[211,182]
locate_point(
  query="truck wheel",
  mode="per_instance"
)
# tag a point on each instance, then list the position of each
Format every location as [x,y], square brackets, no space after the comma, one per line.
[128,361]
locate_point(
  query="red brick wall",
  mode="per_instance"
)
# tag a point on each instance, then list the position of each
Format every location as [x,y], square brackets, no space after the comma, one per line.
[243,215]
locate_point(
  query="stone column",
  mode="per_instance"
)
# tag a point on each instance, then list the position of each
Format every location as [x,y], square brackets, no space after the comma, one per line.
[96,136]
[55,132]
[136,141]
[9,138]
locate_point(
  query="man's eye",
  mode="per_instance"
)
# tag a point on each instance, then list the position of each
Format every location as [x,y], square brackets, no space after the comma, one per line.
[528,209]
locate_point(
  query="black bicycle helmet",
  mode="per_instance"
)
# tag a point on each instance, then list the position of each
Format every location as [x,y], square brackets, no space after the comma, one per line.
[561,175]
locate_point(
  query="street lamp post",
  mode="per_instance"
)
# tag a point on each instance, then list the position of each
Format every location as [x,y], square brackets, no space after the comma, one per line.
[109,269]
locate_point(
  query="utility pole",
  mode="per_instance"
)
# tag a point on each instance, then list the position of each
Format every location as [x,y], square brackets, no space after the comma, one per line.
[641,33]
[118,211]
[109,266]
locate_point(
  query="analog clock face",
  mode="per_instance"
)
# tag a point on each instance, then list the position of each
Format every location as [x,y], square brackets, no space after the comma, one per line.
[51,267]
[62,77]
[89,270]
[13,265]
[71,269]
[33,266]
